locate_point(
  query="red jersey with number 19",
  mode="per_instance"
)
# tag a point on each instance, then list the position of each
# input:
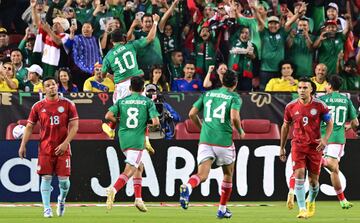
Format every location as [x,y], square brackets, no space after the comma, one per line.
[54,117]
[306,120]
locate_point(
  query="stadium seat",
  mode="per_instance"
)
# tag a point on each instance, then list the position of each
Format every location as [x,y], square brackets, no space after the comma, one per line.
[15,38]
[187,130]
[351,134]
[260,129]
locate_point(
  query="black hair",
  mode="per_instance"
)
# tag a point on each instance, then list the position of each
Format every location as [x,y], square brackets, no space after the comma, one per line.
[70,82]
[146,15]
[49,78]
[189,62]
[16,50]
[307,80]
[230,79]
[118,36]
[137,84]
[335,81]
[162,79]
[283,62]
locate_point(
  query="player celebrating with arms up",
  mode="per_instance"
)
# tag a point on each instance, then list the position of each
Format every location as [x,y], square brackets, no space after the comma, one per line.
[305,114]
[221,108]
[59,123]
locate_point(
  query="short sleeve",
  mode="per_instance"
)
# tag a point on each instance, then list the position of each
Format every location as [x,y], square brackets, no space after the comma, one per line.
[352,111]
[115,108]
[73,114]
[236,103]
[87,86]
[139,43]
[287,115]
[106,65]
[33,117]
[199,103]
[152,110]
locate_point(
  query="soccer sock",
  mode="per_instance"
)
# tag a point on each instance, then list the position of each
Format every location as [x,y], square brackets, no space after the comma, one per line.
[292,183]
[112,125]
[226,189]
[300,193]
[194,181]
[64,185]
[340,194]
[137,187]
[45,189]
[121,181]
[313,192]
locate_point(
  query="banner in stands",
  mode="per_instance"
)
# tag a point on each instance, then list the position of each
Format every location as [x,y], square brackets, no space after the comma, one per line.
[259,174]
[15,106]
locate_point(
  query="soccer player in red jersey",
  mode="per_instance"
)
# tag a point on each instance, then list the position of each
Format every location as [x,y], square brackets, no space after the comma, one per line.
[305,114]
[59,123]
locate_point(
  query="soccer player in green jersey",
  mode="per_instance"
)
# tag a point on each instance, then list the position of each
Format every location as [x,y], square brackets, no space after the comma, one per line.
[342,110]
[221,108]
[134,111]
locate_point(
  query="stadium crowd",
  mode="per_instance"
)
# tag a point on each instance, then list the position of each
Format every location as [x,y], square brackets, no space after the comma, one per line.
[268,44]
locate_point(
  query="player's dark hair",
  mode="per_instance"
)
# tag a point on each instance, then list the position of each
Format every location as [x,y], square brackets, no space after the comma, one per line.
[230,79]
[137,84]
[118,36]
[49,78]
[313,85]
[335,81]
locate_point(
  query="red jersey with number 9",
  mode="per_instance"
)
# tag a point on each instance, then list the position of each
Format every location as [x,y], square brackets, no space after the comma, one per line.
[54,117]
[306,120]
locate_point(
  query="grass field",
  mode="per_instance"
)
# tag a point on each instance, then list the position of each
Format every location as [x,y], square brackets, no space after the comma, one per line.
[276,212]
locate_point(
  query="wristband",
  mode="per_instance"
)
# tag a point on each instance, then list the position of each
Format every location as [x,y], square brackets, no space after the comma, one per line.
[240,130]
[155,23]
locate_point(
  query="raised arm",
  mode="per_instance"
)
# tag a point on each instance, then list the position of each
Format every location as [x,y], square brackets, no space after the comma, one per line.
[348,26]
[207,82]
[297,15]
[167,15]
[152,34]
[34,15]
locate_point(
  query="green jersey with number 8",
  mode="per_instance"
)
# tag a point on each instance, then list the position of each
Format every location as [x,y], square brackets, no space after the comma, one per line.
[134,112]
[216,126]
[121,60]
[341,110]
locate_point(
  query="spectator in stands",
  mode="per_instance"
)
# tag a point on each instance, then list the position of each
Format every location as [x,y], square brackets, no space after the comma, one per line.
[26,46]
[300,44]
[5,47]
[241,59]
[83,11]
[175,67]
[188,83]
[330,43]
[105,42]
[151,54]
[214,80]
[349,73]
[332,13]
[65,82]
[320,77]
[98,82]
[70,15]
[286,82]
[41,9]
[85,53]
[157,78]
[21,73]
[8,81]
[34,83]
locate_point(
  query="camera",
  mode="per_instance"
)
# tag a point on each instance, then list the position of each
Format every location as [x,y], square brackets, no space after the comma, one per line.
[220,24]
[300,31]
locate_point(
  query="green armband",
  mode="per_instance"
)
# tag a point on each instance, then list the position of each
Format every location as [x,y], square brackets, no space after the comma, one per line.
[240,130]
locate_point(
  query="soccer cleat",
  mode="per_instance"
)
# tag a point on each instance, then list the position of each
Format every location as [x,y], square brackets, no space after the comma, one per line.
[139,204]
[226,214]
[346,204]
[60,208]
[310,206]
[290,201]
[149,147]
[48,213]
[110,192]
[109,131]
[302,214]
[184,196]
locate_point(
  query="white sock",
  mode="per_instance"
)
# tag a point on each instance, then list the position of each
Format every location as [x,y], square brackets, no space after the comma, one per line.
[138,199]
[189,188]
[222,208]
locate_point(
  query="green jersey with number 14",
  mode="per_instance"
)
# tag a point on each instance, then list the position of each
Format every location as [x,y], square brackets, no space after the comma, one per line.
[134,112]
[216,127]
[121,59]
[342,110]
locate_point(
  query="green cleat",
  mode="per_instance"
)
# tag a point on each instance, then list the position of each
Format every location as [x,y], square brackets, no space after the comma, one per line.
[346,204]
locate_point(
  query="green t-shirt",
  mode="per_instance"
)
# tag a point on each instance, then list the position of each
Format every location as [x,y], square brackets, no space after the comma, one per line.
[21,76]
[151,54]
[253,27]
[329,51]
[121,60]
[351,82]
[342,110]
[216,127]
[272,49]
[83,15]
[134,112]
[302,56]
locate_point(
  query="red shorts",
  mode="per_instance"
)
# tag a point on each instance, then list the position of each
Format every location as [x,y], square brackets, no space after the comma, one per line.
[58,165]
[306,157]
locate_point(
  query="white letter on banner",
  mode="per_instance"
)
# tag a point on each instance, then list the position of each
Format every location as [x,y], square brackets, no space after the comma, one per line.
[269,153]
[216,174]
[329,189]
[289,171]
[241,170]
[114,172]
[172,173]
[33,185]
[149,181]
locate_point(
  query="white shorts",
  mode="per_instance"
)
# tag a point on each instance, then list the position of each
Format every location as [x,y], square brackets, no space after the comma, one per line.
[133,157]
[222,155]
[122,90]
[335,151]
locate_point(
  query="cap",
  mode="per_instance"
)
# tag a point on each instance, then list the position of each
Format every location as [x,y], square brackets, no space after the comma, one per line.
[330,22]
[63,22]
[265,5]
[210,5]
[31,36]
[273,19]
[3,31]
[35,68]
[333,5]
[150,87]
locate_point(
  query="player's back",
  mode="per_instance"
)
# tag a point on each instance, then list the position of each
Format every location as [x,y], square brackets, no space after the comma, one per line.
[342,110]
[216,127]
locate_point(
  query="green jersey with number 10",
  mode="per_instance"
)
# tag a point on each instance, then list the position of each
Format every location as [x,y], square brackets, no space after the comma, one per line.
[134,112]
[341,110]
[216,127]
[121,59]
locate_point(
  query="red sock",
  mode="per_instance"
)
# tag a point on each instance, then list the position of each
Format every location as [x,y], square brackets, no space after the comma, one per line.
[112,125]
[194,181]
[226,189]
[340,194]
[121,181]
[292,182]
[137,187]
